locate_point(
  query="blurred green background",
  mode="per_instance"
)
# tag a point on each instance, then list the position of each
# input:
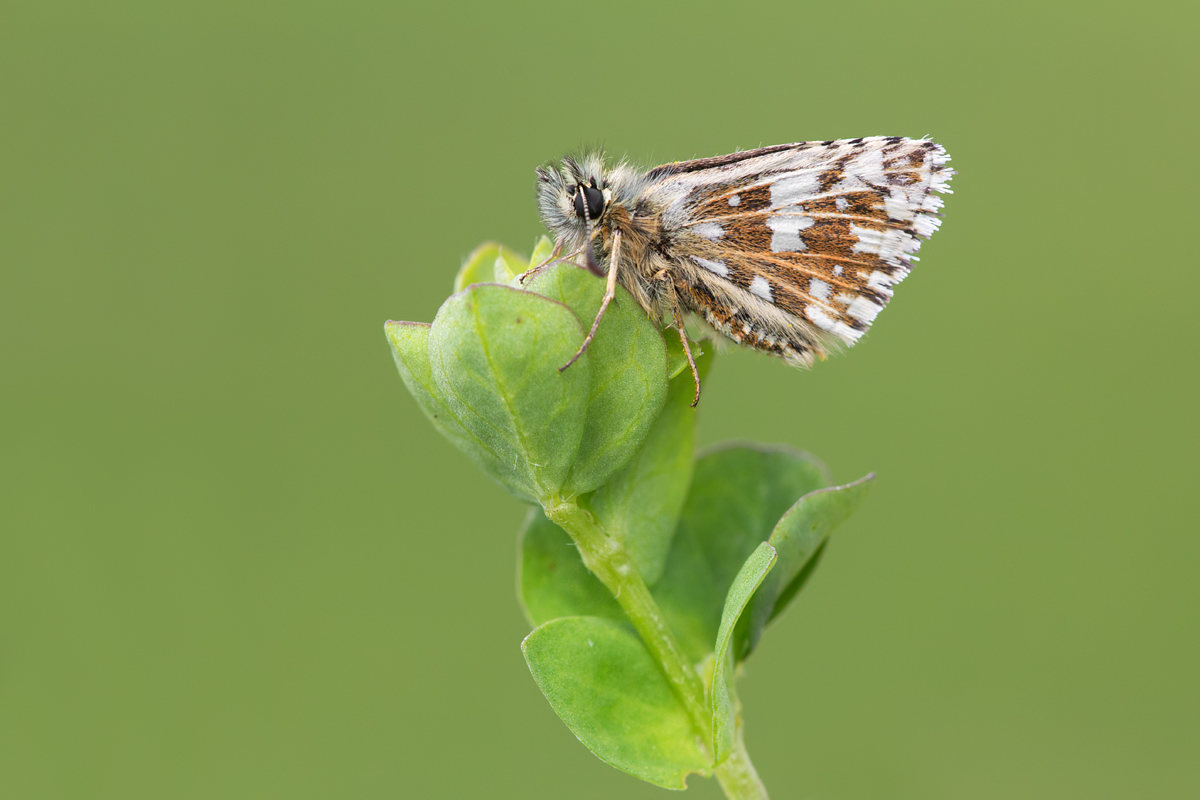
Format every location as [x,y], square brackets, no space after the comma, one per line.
[236,562]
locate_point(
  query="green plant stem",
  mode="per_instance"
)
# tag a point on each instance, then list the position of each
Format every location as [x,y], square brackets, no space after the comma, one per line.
[737,775]
[606,557]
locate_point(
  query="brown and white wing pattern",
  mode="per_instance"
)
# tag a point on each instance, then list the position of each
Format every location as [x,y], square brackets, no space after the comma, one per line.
[794,249]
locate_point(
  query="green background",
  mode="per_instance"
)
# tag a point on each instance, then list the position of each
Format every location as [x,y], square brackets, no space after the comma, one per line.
[236,562]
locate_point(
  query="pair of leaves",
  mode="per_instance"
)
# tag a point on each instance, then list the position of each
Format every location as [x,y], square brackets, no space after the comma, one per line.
[743,548]
[486,374]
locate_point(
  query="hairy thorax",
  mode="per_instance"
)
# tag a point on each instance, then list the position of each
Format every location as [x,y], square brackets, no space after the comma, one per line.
[644,269]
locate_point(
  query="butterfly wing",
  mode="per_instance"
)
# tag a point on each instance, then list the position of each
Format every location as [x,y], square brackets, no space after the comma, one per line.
[794,249]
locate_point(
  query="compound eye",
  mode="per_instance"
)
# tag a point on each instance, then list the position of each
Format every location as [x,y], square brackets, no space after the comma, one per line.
[594,198]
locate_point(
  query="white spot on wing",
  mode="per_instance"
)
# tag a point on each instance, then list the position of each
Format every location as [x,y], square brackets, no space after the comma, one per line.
[785,232]
[897,205]
[709,230]
[735,200]
[818,289]
[837,270]
[841,203]
[863,171]
[760,287]
[795,188]
[817,315]
[715,267]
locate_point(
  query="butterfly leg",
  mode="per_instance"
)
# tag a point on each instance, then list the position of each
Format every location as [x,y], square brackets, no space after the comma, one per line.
[687,351]
[554,254]
[554,258]
[677,324]
[610,291]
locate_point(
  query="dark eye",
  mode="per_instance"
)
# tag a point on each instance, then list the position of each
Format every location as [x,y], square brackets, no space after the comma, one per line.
[595,201]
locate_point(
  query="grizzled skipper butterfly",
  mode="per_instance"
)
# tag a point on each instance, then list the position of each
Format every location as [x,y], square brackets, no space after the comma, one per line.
[791,249]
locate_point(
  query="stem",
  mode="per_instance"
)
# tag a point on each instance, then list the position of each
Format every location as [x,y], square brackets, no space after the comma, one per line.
[736,774]
[606,557]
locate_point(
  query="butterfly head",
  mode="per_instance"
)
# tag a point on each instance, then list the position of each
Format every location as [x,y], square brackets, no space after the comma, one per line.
[573,196]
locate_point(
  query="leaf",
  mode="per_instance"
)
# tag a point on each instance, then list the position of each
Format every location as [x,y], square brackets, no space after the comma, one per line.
[479,266]
[603,683]
[738,493]
[724,702]
[553,581]
[410,349]
[641,503]
[508,265]
[799,539]
[494,352]
[628,373]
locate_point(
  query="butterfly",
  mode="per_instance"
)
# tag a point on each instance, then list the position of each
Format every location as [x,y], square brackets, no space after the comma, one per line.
[791,249]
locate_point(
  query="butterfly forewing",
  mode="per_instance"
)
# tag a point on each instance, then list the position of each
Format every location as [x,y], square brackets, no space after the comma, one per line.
[795,248]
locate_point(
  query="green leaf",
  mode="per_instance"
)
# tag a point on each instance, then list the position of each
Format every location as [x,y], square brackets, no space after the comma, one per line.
[508,265]
[799,539]
[738,493]
[603,683]
[494,352]
[628,373]
[410,349]
[724,702]
[641,503]
[552,580]
[479,266]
